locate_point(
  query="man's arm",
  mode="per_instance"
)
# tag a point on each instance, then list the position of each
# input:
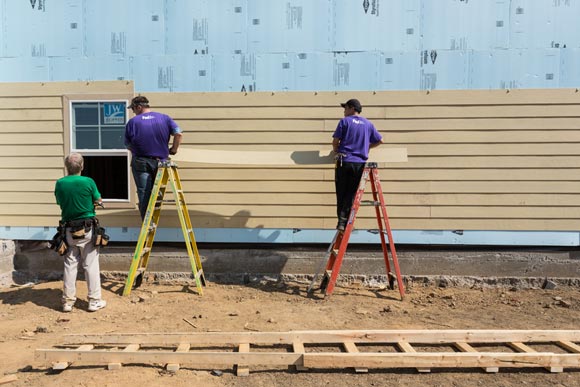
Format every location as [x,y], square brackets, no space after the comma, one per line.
[376,144]
[176,142]
[335,144]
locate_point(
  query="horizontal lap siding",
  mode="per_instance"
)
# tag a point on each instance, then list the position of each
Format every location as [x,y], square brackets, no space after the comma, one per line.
[478,160]
[492,160]
[32,147]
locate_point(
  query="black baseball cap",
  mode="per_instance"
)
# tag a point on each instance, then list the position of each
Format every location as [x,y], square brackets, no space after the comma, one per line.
[140,100]
[353,103]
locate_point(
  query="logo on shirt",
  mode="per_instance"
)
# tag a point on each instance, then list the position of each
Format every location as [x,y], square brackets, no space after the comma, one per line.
[356,121]
[147,117]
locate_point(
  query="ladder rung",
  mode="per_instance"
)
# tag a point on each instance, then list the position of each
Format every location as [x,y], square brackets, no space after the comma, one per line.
[145,250]
[370,203]
[334,252]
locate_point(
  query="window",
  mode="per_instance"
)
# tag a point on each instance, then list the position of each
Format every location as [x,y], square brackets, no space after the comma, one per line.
[97,132]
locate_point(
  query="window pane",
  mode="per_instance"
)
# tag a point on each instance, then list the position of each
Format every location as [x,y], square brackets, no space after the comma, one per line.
[111,175]
[113,137]
[86,138]
[85,114]
[113,113]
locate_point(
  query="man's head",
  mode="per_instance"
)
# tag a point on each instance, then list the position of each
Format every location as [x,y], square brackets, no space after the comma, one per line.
[351,107]
[74,163]
[138,104]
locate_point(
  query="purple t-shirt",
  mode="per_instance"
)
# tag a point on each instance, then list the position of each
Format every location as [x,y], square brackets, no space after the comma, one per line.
[356,133]
[148,134]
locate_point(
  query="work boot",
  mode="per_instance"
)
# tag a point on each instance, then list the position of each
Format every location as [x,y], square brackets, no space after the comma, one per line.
[95,305]
[341,226]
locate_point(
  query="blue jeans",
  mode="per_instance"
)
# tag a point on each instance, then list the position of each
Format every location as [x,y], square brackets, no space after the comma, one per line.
[144,172]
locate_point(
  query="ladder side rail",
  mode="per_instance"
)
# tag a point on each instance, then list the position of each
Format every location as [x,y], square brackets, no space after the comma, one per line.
[186,235]
[144,233]
[153,220]
[192,240]
[376,192]
[347,232]
[389,234]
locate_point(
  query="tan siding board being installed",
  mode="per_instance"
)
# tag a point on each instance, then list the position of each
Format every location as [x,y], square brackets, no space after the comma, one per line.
[478,160]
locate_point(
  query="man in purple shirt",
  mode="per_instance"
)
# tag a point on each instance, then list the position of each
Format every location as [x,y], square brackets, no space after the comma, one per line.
[147,137]
[352,139]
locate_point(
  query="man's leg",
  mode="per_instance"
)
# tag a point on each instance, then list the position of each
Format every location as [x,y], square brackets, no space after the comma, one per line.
[90,259]
[71,260]
[340,183]
[351,175]
[144,174]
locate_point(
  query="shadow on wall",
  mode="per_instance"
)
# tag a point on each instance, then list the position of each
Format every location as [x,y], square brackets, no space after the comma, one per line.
[221,263]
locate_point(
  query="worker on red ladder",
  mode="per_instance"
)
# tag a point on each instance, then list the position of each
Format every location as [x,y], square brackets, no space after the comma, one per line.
[353,138]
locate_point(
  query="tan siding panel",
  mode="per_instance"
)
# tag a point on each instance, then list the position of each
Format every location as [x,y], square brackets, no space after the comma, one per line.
[26,197]
[516,123]
[486,212]
[27,186]
[25,150]
[31,126]
[489,162]
[418,137]
[325,199]
[32,162]
[31,102]
[202,124]
[31,138]
[30,115]
[490,149]
[38,174]
[386,175]
[328,223]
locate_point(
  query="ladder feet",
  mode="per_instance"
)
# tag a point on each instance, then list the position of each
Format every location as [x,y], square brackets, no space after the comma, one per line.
[391,281]
[138,280]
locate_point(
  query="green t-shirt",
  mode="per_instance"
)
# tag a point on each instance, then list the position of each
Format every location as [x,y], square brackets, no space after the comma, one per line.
[76,194]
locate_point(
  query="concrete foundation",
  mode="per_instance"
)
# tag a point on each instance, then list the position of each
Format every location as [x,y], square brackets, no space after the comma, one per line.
[7,251]
[362,264]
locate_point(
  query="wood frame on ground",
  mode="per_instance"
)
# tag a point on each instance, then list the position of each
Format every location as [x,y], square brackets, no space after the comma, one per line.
[360,349]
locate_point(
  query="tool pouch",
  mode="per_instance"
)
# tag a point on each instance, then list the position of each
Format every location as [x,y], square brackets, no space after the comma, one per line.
[58,242]
[79,228]
[100,238]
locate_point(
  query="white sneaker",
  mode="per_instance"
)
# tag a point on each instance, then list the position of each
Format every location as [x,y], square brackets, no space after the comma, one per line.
[95,305]
[67,308]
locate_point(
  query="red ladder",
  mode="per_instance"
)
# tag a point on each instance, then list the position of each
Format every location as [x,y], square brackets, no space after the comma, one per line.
[338,247]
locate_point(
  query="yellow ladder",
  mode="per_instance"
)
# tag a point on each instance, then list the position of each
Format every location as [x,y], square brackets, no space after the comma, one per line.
[166,174]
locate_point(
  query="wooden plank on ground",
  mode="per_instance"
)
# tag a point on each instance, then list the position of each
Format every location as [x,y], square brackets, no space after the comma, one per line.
[569,346]
[174,367]
[350,347]
[128,348]
[62,364]
[408,348]
[441,360]
[437,336]
[521,347]
[298,347]
[464,347]
[243,369]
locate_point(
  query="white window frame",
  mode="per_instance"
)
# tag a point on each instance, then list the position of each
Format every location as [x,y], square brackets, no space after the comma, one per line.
[68,101]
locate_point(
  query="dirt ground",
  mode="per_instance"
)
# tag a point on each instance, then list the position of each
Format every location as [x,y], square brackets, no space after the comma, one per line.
[30,318]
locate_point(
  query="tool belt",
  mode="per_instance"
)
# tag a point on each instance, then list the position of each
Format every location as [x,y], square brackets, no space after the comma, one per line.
[78,229]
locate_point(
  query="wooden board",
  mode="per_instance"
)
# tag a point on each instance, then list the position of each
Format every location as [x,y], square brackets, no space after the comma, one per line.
[193,155]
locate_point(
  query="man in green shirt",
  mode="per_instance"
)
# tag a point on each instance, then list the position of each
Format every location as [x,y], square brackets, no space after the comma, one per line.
[77,196]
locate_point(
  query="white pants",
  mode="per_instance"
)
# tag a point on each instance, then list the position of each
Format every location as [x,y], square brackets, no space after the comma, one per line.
[81,251]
